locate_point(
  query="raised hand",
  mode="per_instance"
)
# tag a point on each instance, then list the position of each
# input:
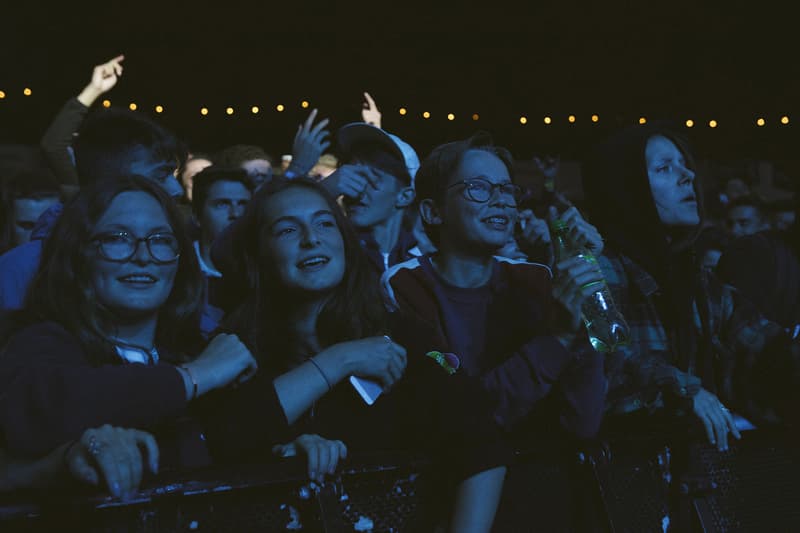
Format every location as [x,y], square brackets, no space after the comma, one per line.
[116,456]
[226,360]
[548,166]
[323,454]
[352,180]
[369,111]
[104,78]
[310,141]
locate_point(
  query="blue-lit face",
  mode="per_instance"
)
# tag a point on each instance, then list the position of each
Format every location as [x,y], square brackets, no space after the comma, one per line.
[225,202]
[671,183]
[376,204]
[138,287]
[143,163]
[478,227]
[301,238]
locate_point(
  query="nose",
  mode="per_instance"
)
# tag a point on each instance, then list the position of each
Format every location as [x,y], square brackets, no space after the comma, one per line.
[687,174]
[310,238]
[141,255]
[235,211]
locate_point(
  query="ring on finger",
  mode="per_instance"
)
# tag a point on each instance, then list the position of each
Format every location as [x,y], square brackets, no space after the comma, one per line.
[94,446]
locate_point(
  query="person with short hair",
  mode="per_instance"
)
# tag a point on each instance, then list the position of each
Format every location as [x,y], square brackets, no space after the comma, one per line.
[376,183]
[220,197]
[746,215]
[499,316]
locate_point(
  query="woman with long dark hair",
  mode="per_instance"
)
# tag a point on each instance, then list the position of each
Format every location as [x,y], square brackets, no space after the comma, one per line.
[311,311]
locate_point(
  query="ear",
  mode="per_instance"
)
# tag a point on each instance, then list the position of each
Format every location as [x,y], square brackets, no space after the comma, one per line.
[429,212]
[404,197]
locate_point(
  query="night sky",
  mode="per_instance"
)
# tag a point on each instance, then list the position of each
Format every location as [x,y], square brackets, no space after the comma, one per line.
[503,61]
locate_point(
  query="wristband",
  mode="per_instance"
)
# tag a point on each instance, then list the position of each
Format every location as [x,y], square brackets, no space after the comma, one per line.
[328,383]
[194,382]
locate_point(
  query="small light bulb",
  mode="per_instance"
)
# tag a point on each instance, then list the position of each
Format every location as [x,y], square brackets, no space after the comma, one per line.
[403,111]
[571,119]
[132,107]
[595,118]
[712,123]
[523,120]
[229,110]
[548,120]
[689,123]
[760,122]
[642,120]
[255,109]
[451,116]
[304,104]
[204,111]
[279,107]
[476,116]
[106,103]
[426,115]
[26,91]
[784,120]
[159,109]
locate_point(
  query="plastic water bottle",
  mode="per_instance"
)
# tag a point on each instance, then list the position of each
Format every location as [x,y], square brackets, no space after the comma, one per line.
[605,325]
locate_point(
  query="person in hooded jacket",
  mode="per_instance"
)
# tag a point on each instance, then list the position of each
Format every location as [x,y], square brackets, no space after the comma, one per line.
[696,344]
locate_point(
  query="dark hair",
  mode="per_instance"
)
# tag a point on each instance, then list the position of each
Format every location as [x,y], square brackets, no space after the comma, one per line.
[24,173]
[749,200]
[238,154]
[436,170]
[207,177]
[354,310]
[61,291]
[107,137]
[377,155]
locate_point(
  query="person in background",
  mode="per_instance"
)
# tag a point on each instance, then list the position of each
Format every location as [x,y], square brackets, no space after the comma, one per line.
[377,186]
[27,189]
[220,197]
[694,340]
[195,162]
[747,215]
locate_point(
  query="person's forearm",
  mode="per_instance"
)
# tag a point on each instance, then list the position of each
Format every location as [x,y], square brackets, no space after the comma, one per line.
[299,388]
[476,501]
[20,474]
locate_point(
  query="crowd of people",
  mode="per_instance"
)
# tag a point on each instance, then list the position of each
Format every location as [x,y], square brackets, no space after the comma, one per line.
[163,307]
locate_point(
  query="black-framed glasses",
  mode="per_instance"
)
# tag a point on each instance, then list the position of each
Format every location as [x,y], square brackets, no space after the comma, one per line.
[480,189]
[121,246]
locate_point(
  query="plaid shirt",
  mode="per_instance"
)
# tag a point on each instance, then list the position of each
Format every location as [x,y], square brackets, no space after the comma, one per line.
[640,373]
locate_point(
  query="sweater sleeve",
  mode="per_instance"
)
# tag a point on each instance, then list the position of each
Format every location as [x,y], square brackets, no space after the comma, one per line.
[525,377]
[58,138]
[243,421]
[49,393]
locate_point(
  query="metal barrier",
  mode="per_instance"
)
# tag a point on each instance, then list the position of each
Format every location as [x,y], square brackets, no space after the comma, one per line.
[637,484]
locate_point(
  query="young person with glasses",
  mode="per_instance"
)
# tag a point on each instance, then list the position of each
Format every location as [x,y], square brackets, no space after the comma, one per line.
[502,318]
[109,334]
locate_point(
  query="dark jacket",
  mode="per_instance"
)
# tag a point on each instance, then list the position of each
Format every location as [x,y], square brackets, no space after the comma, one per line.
[522,362]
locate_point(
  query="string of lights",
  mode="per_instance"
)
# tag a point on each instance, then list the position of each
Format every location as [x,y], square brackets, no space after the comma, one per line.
[759,121]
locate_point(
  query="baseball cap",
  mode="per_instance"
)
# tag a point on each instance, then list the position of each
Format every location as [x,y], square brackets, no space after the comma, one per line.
[357,132]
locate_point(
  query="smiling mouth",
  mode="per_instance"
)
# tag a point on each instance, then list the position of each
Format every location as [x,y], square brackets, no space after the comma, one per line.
[499,222]
[139,279]
[313,263]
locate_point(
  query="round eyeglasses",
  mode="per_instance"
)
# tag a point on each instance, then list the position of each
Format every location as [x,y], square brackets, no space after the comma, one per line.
[481,190]
[121,246]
